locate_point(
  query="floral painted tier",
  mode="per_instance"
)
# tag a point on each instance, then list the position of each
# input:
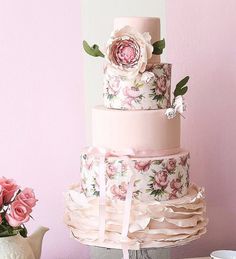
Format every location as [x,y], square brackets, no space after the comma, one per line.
[151,224]
[147,90]
[155,178]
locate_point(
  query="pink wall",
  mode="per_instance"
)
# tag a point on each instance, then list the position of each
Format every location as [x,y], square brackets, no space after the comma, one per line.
[41,108]
[201,43]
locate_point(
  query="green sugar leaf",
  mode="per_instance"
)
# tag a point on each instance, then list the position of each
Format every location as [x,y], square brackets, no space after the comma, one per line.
[92,50]
[181,87]
[158,47]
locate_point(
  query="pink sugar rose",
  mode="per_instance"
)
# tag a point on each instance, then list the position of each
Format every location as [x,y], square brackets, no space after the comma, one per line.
[142,165]
[9,188]
[18,214]
[161,86]
[171,165]
[27,197]
[128,51]
[120,190]
[160,180]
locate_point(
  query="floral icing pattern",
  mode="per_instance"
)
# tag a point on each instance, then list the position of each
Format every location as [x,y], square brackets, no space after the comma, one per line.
[147,90]
[155,178]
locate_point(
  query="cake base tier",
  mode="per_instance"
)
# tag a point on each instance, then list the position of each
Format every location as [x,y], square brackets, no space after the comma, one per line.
[151,224]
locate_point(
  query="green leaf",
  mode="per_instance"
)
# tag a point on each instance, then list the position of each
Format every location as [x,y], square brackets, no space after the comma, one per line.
[181,88]
[158,47]
[183,82]
[92,50]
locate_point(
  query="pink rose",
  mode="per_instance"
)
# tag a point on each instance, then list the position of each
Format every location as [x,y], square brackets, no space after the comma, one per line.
[161,180]
[142,165]
[18,214]
[9,188]
[171,165]
[128,51]
[27,197]
[111,170]
[176,184]
[161,86]
[120,190]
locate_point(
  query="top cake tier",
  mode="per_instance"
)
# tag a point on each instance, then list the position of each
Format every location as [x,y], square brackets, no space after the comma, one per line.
[134,78]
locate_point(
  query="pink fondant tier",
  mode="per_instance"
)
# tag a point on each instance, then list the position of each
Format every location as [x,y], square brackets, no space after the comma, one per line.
[148,90]
[148,132]
[156,178]
[151,224]
[142,25]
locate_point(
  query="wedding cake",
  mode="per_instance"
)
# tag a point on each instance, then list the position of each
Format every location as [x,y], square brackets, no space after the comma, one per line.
[134,190]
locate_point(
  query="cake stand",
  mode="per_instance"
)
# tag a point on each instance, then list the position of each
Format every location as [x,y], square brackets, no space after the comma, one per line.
[145,253]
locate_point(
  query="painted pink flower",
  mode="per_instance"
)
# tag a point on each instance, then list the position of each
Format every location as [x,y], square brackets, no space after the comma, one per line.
[128,51]
[1,197]
[131,94]
[167,70]
[111,170]
[161,86]
[142,165]
[9,188]
[184,160]
[120,190]
[176,184]
[18,214]
[173,195]
[160,180]
[113,85]
[171,165]
[27,197]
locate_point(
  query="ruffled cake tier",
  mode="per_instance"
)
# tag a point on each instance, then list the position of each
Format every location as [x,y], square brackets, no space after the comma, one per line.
[151,224]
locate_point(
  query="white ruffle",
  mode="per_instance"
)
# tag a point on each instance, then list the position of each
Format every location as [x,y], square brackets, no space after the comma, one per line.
[152,224]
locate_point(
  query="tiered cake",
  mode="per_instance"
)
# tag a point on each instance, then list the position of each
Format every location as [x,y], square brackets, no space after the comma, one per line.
[134,189]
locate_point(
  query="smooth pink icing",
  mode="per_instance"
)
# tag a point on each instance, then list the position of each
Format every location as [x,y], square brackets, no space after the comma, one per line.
[142,24]
[147,130]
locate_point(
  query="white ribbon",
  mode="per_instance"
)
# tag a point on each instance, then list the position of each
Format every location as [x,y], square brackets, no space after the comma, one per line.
[178,106]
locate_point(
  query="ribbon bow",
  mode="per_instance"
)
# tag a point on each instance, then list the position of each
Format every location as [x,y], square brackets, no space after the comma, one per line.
[178,106]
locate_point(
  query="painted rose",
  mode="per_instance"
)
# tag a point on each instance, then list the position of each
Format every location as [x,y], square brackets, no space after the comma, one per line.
[160,180]
[1,197]
[161,85]
[171,165]
[111,170]
[148,77]
[128,51]
[167,70]
[9,188]
[113,85]
[27,197]
[132,94]
[120,190]
[176,185]
[183,160]
[18,214]
[173,195]
[142,165]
